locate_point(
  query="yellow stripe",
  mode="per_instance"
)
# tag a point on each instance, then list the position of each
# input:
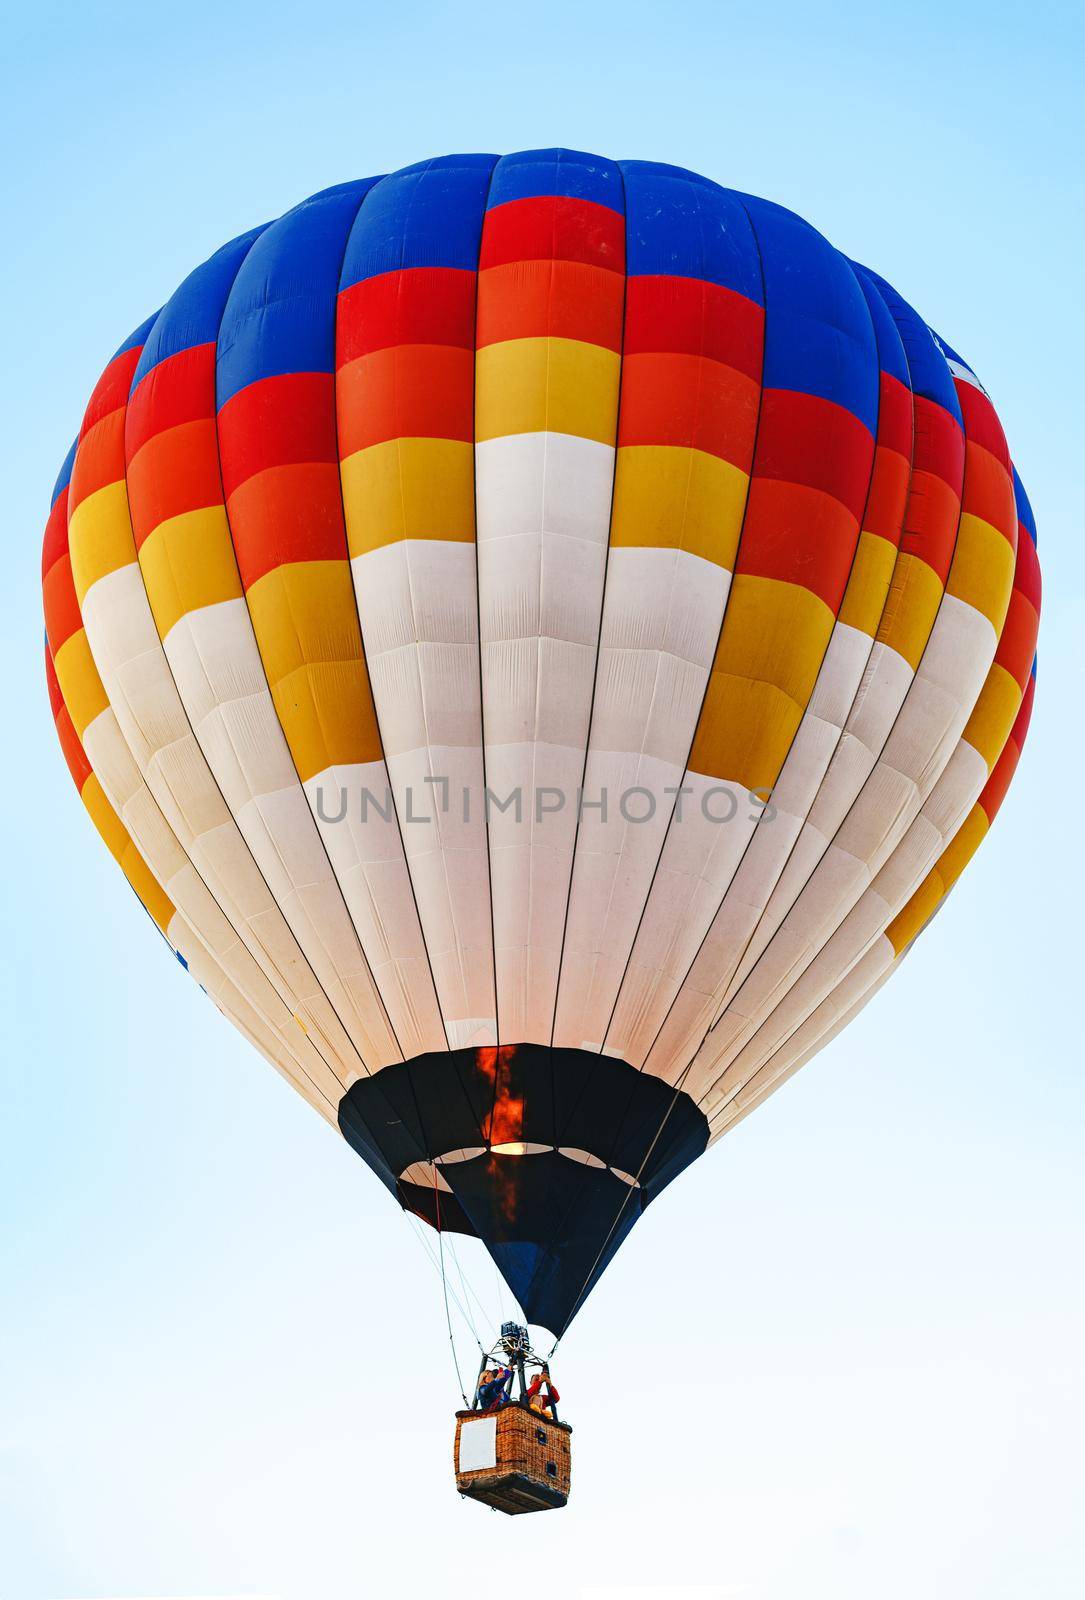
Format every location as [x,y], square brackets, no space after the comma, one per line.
[82,688]
[671,497]
[994,714]
[914,597]
[306,626]
[119,843]
[546,386]
[868,584]
[100,536]
[982,570]
[766,663]
[188,563]
[911,921]
[409,489]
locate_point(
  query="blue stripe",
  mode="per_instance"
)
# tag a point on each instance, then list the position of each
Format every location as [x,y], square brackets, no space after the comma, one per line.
[280,314]
[931,378]
[64,477]
[138,337]
[1024,507]
[683,226]
[819,338]
[192,314]
[574,173]
[429,215]
[891,357]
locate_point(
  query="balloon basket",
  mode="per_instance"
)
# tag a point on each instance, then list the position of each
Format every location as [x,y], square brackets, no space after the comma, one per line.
[513,1460]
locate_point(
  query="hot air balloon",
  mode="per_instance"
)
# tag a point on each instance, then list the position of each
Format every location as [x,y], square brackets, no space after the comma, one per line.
[541,636]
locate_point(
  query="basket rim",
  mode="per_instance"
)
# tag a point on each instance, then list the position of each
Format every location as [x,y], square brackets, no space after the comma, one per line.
[516,1405]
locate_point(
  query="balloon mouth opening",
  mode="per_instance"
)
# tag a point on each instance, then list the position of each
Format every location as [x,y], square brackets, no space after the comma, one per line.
[548,1156]
[429,1174]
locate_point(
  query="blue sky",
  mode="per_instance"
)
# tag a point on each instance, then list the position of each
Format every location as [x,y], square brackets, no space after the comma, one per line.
[843,1354]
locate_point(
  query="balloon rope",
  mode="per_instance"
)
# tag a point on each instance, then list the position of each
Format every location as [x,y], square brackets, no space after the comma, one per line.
[618,1213]
[444,1290]
[419,1232]
[468,1292]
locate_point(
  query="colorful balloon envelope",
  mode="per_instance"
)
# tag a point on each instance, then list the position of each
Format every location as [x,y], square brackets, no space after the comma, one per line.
[541,636]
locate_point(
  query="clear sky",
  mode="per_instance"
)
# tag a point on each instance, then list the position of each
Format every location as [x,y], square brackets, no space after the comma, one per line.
[843,1356]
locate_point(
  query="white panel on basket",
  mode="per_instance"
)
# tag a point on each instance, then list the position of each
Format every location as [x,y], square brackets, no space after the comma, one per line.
[478,1445]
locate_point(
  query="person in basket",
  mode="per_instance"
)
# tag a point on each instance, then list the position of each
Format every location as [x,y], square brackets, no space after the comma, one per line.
[543,1404]
[493,1388]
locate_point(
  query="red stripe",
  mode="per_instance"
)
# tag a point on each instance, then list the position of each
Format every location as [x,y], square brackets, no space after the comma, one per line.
[62,614]
[988,491]
[933,512]
[175,471]
[554,227]
[804,439]
[557,299]
[895,415]
[99,460]
[418,305]
[688,401]
[287,513]
[55,542]
[112,388]
[981,421]
[938,445]
[1017,641]
[888,495]
[1027,576]
[697,318]
[275,421]
[179,389]
[409,391]
[798,535]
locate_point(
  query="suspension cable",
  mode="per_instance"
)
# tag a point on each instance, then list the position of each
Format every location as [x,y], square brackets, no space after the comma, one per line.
[618,1214]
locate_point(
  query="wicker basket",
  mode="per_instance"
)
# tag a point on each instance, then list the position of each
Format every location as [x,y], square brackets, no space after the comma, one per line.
[513,1459]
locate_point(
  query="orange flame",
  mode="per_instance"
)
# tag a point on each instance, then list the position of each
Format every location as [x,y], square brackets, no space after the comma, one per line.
[505,1123]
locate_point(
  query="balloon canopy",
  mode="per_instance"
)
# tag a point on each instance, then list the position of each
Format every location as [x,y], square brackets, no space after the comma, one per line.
[541,636]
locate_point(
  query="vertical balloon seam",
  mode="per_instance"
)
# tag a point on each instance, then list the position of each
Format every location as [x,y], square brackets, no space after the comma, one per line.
[165,922]
[749,1034]
[679,177]
[212,788]
[478,639]
[883,446]
[540,386]
[844,1018]
[760,478]
[864,789]
[679,1077]
[977,733]
[560,1132]
[887,918]
[380,256]
[130,754]
[279,975]
[320,933]
[676,174]
[346,1109]
[915,554]
[357,613]
[672,175]
[62,710]
[799,726]
[156,364]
